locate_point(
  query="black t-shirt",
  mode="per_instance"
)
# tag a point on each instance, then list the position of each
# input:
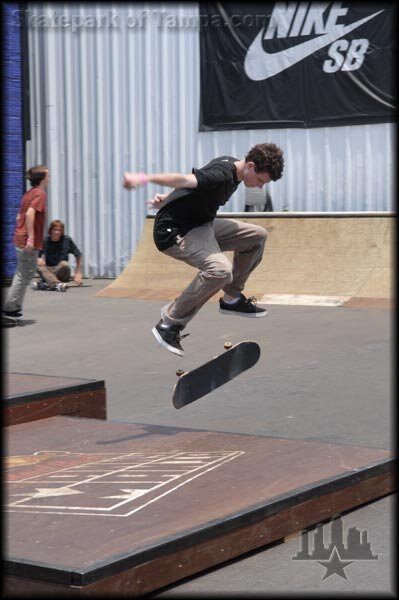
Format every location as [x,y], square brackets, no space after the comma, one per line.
[186,208]
[55,252]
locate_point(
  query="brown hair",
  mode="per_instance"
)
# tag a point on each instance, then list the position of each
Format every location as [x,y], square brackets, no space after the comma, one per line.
[267,158]
[37,174]
[56,223]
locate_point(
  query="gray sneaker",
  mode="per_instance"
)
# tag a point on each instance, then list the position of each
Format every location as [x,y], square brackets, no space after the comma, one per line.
[40,285]
[10,318]
[60,287]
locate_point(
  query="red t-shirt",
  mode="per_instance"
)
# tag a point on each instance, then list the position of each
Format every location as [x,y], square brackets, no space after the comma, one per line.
[35,198]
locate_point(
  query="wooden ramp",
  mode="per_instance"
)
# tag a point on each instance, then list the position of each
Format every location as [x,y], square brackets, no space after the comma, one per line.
[329,259]
[96,508]
[29,396]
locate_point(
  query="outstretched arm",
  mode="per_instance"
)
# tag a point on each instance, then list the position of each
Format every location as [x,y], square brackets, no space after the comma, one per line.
[173,180]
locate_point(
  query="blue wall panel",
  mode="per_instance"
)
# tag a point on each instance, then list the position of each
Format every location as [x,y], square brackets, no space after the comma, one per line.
[11,131]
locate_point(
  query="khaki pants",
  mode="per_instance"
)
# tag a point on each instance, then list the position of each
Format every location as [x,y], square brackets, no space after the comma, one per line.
[53,275]
[203,248]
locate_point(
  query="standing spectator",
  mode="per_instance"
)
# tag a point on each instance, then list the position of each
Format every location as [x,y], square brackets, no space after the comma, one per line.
[28,240]
[52,264]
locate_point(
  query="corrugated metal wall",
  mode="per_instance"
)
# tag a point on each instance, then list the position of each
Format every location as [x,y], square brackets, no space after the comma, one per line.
[116,87]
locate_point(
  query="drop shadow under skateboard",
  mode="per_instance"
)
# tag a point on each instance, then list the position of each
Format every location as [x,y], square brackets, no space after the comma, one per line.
[199,382]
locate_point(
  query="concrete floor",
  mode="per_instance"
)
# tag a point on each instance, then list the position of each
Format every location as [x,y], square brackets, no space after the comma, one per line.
[325,374]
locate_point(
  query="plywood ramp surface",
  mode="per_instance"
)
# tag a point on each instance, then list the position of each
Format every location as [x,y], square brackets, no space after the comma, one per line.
[99,508]
[347,258]
[30,397]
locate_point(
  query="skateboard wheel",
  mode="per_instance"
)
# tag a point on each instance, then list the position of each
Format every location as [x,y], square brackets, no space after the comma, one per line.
[179,372]
[228,345]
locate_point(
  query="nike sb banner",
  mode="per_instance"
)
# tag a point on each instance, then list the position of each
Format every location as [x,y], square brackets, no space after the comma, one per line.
[296,64]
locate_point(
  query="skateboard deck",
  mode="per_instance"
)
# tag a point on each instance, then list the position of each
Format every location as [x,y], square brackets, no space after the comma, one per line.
[195,384]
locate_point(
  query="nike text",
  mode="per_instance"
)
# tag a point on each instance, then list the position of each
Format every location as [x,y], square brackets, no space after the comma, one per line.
[304,20]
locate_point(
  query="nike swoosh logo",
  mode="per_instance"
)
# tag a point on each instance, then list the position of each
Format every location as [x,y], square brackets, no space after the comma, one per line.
[260,65]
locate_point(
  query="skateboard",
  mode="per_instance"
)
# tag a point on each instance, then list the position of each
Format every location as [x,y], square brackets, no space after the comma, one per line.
[216,372]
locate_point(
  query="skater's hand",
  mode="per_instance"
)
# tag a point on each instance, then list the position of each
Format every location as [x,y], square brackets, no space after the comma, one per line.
[157,200]
[78,278]
[40,262]
[29,245]
[134,180]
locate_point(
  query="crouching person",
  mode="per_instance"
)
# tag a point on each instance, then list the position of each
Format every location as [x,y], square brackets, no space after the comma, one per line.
[52,265]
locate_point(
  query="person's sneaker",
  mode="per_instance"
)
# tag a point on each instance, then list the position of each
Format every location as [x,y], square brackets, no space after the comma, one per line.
[60,287]
[40,285]
[169,337]
[245,307]
[11,317]
[8,321]
[15,314]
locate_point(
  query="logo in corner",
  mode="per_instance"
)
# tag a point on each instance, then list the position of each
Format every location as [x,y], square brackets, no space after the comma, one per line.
[260,64]
[340,553]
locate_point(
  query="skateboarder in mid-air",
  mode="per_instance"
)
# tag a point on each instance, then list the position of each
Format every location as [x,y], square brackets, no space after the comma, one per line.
[186,228]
